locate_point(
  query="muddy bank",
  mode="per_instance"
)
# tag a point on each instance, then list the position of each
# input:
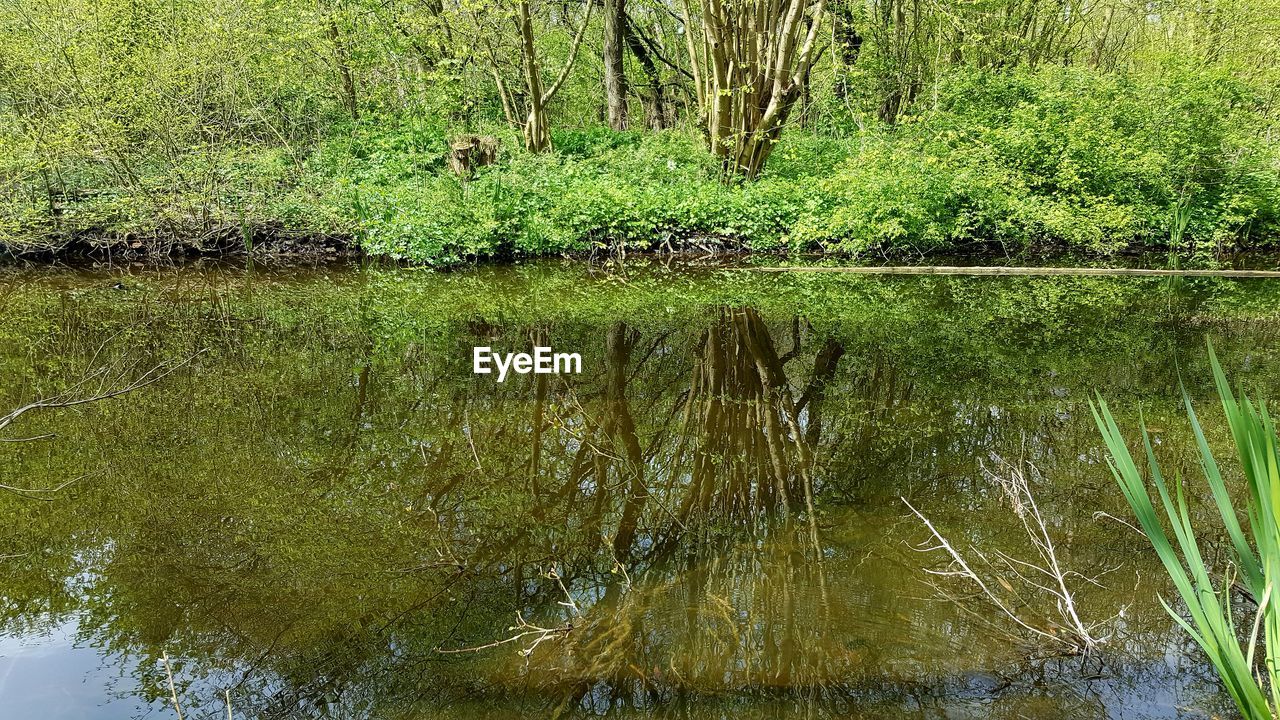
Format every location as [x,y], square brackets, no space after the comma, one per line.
[273,241]
[221,241]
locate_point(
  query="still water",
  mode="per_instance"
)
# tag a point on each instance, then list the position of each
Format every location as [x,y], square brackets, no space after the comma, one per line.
[323,513]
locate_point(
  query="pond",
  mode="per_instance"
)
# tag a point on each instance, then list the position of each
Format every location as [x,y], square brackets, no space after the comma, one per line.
[321,511]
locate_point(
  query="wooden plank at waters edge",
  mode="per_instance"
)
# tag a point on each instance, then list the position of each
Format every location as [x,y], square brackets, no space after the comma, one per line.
[994,270]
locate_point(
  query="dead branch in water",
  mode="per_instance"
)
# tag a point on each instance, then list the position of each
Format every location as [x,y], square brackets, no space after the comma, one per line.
[173,691]
[536,635]
[74,395]
[1045,577]
[527,630]
[44,494]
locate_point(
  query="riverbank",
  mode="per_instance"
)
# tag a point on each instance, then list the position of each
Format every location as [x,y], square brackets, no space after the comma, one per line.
[1063,160]
[226,241]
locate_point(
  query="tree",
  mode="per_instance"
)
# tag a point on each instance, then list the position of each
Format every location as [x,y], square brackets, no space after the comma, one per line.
[525,108]
[751,60]
[342,61]
[647,48]
[615,77]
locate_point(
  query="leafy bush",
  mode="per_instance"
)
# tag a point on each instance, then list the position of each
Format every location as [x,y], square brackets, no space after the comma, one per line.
[1106,158]
[896,196]
[1067,156]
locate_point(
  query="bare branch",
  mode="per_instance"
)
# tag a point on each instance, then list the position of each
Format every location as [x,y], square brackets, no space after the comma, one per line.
[69,399]
[44,494]
[74,396]
[573,56]
[1070,631]
[527,630]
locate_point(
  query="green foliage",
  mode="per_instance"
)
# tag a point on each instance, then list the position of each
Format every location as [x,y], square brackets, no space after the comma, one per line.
[607,190]
[897,196]
[1122,151]
[132,118]
[1068,157]
[1255,556]
[1090,160]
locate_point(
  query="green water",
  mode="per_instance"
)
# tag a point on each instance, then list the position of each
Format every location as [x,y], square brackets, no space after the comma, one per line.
[324,502]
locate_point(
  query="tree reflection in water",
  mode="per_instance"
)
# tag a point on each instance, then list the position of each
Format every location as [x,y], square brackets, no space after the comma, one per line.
[316,510]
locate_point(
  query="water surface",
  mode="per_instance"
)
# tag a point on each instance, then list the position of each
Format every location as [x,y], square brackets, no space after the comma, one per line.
[324,513]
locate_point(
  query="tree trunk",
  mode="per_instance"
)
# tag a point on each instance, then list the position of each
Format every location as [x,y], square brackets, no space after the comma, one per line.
[847,40]
[527,107]
[342,60]
[658,114]
[750,87]
[537,131]
[615,78]
[468,152]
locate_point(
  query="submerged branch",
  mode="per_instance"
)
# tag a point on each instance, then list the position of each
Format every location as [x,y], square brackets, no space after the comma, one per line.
[78,394]
[1045,578]
[527,630]
[44,494]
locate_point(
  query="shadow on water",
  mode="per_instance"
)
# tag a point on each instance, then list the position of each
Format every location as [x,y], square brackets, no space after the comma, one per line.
[328,515]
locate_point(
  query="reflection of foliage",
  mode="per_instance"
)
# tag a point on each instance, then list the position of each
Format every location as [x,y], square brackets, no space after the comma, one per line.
[335,499]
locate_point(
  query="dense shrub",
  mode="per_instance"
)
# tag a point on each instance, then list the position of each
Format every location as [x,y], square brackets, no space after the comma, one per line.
[1067,156]
[1107,158]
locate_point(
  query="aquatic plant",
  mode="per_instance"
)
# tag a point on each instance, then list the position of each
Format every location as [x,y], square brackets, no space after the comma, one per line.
[1255,555]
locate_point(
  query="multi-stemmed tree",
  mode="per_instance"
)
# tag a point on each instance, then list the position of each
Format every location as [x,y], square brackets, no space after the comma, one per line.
[750,59]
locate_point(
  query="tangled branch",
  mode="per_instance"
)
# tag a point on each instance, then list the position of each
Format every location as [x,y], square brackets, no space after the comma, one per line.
[1044,577]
